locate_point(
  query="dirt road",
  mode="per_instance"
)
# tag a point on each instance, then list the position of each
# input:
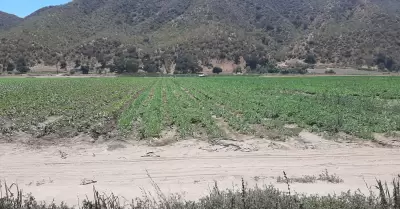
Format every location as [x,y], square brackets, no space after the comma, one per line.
[188,167]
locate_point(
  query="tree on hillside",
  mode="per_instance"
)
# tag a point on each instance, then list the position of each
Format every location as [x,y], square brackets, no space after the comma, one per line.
[21,65]
[150,67]
[383,61]
[125,65]
[77,63]
[255,60]
[217,70]
[10,67]
[119,65]
[310,59]
[63,65]
[85,69]
[132,65]
[251,61]
[237,59]
[187,64]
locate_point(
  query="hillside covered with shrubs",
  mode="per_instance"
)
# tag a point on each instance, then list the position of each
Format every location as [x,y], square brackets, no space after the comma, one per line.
[185,36]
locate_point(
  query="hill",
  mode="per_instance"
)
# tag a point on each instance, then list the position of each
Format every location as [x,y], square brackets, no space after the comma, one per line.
[8,20]
[342,32]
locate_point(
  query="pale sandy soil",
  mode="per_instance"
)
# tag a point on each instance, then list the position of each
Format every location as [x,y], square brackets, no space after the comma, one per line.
[55,171]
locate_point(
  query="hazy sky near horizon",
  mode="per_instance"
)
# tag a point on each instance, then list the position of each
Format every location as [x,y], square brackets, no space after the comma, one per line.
[24,8]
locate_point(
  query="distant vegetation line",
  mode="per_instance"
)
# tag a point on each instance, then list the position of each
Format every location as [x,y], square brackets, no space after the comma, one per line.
[175,36]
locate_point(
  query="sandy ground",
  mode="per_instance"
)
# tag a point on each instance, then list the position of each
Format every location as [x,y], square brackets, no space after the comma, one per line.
[190,167]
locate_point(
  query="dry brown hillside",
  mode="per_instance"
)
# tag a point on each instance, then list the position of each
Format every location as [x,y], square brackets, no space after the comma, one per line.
[344,32]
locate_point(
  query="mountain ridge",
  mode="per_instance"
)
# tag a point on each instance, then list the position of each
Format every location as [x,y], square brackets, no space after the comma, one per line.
[8,20]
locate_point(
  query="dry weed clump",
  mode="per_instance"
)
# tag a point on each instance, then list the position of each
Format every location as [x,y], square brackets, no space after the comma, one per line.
[307,179]
[331,178]
[245,198]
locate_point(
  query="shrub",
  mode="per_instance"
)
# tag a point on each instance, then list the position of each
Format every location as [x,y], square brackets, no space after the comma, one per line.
[63,64]
[22,66]
[310,59]
[303,180]
[23,69]
[125,65]
[237,59]
[254,60]
[10,67]
[77,63]
[331,178]
[85,69]
[384,61]
[266,68]
[131,65]
[238,69]
[302,70]
[217,70]
[150,68]
[330,72]
[186,63]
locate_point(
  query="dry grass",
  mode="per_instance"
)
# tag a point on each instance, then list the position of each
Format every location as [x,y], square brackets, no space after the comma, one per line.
[331,178]
[307,179]
[245,198]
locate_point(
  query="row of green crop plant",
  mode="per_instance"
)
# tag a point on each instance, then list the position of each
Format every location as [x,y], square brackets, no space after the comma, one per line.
[146,106]
[76,104]
[255,100]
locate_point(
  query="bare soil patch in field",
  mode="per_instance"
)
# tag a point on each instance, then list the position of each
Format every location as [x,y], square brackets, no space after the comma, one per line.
[56,170]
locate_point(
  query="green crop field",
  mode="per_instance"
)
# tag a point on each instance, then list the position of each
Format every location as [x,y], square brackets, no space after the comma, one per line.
[143,108]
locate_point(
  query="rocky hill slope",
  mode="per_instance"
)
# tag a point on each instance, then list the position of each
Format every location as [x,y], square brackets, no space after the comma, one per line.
[343,32]
[8,20]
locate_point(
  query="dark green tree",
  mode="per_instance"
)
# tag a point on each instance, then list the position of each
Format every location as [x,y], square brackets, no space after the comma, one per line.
[150,67]
[10,67]
[22,65]
[63,64]
[125,65]
[237,59]
[85,69]
[383,61]
[310,59]
[255,60]
[77,63]
[217,70]
[187,64]
[131,65]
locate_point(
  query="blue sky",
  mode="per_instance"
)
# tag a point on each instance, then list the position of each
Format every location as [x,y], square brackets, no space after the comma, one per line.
[23,8]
